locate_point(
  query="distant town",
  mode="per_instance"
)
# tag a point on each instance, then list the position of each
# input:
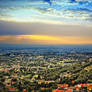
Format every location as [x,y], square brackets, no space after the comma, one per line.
[45,70]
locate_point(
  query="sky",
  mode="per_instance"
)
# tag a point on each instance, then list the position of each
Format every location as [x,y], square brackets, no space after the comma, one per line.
[46,22]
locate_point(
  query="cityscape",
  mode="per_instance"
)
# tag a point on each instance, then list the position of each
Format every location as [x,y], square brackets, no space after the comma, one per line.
[46,69]
[45,45]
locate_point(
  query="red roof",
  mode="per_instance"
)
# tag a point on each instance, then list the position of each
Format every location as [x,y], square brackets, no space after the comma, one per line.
[60,91]
[69,90]
[46,81]
[60,85]
[12,89]
[65,85]
[83,85]
[77,87]
[25,90]
[73,81]
[89,84]
[8,85]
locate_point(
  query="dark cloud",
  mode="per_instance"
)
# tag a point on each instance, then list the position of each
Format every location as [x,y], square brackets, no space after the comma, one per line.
[11,28]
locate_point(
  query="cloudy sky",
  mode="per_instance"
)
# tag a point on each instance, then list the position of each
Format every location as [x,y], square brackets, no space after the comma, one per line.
[46,21]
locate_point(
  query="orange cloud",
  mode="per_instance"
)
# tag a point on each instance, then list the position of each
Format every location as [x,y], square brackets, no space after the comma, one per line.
[44,39]
[37,37]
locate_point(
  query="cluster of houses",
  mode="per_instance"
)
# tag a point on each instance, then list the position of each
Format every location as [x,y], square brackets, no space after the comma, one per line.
[41,71]
[77,88]
[62,88]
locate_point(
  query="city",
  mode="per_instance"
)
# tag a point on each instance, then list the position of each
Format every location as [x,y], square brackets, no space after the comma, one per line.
[42,70]
[45,45]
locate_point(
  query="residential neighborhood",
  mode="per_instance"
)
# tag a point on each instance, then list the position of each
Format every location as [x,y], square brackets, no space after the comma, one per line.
[24,72]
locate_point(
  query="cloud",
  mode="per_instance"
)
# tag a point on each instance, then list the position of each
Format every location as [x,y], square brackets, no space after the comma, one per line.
[12,28]
[62,12]
[43,39]
[66,19]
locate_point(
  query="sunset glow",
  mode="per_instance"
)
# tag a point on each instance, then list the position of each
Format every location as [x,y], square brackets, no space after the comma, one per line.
[46,21]
[43,39]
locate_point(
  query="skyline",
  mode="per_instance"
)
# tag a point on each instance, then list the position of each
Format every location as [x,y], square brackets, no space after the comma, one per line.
[46,22]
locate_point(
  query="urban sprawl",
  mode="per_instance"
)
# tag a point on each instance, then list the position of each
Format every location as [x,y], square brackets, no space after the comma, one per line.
[43,70]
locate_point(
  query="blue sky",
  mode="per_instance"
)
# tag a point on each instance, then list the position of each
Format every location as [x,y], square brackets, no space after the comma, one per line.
[47,11]
[46,21]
